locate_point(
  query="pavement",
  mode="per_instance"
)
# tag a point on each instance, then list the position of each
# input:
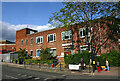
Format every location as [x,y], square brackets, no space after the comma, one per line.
[114,71]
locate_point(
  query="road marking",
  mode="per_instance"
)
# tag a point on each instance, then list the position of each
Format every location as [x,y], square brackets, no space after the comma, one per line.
[54,76]
[24,75]
[30,76]
[18,74]
[46,79]
[37,78]
[63,75]
[11,77]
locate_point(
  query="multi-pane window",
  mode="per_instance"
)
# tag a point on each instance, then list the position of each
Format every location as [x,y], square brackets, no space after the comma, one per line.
[67,49]
[26,42]
[82,32]
[31,53]
[66,35]
[37,53]
[83,48]
[39,39]
[51,37]
[53,51]
[21,42]
[31,41]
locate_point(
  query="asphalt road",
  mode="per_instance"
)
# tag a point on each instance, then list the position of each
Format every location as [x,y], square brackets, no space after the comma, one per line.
[19,74]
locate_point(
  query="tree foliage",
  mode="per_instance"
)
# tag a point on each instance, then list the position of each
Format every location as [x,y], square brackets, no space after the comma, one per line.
[113,58]
[45,54]
[88,12]
[69,58]
[22,54]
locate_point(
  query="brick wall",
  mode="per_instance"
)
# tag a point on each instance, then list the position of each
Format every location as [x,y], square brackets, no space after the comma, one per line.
[24,34]
[7,45]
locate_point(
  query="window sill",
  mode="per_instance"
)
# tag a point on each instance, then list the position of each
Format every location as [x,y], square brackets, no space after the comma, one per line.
[37,56]
[51,41]
[66,39]
[39,43]
[61,56]
[82,37]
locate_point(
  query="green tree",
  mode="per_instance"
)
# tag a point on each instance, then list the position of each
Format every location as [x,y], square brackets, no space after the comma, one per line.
[22,54]
[113,58]
[45,54]
[74,12]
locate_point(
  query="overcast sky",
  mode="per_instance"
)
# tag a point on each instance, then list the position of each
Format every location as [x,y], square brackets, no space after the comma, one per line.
[17,15]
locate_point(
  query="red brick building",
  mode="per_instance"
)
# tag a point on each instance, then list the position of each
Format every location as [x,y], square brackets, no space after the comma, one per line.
[59,41]
[7,45]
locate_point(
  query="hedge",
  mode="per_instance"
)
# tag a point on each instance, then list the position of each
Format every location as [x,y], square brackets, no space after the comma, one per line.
[36,61]
[77,58]
[113,58]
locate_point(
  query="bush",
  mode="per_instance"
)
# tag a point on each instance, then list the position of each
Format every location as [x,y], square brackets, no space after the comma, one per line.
[29,61]
[45,54]
[16,61]
[77,58]
[22,54]
[36,61]
[85,56]
[113,58]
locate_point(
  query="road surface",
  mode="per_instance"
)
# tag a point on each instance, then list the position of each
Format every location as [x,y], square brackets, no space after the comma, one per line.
[16,74]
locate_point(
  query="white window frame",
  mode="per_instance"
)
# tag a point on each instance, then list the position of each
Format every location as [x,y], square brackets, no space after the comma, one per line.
[22,42]
[82,32]
[31,32]
[86,46]
[30,53]
[36,52]
[53,49]
[85,32]
[40,39]
[54,39]
[65,34]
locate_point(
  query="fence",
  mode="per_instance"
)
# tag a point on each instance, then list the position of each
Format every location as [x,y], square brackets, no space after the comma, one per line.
[45,66]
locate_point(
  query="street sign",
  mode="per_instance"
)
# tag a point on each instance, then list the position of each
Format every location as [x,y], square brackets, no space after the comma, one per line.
[73,67]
